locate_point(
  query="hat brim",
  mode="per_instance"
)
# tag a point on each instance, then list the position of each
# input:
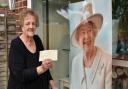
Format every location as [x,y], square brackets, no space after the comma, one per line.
[97,19]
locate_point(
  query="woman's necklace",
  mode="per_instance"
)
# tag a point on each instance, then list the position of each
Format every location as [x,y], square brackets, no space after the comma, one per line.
[30,42]
[85,75]
[88,61]
[27,41]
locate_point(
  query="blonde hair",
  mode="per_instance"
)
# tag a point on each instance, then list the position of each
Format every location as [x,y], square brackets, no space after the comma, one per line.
[26,12]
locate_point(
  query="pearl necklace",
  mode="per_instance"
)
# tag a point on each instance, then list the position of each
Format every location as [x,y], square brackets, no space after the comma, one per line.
[85,76]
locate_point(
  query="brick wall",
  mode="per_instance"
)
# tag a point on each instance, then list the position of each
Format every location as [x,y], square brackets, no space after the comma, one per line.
[2,10]
[20,5]
[12,19]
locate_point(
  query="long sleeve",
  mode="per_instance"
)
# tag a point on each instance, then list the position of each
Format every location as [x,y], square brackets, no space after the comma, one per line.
[49,76]
[40,45]
[17,65]
[108,75]
[23,64]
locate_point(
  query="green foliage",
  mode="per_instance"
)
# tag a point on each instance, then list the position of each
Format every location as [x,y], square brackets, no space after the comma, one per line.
[2,5]
[120,11]
[119,8]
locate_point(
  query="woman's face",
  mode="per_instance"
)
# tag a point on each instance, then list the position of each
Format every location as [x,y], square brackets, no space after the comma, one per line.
[29,25]
[86,35]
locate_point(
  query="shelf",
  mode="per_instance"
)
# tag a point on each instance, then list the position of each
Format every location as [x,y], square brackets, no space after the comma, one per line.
[117,62]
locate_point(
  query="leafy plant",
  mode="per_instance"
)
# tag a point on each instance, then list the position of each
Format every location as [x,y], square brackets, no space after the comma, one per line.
[3,5]
[120,11]
[119,8]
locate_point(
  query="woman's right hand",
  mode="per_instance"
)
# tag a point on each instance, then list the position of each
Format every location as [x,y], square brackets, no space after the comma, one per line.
[46,64]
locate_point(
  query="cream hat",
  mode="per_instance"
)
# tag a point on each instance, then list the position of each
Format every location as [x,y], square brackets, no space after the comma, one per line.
[86,14]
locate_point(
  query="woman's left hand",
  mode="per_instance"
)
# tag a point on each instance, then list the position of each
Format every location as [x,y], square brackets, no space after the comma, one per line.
[52,84]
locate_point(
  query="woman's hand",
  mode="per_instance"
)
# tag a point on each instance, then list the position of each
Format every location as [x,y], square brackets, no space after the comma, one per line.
[52,84]
[46,64]
[54,88]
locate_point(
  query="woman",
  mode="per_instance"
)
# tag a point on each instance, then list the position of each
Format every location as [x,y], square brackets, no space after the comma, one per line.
[26,72]
[91,68]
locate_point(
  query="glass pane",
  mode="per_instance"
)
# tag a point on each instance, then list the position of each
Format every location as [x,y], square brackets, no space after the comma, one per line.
[56,34]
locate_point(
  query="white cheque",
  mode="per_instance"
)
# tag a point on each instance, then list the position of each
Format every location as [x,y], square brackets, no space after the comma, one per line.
[48,54]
